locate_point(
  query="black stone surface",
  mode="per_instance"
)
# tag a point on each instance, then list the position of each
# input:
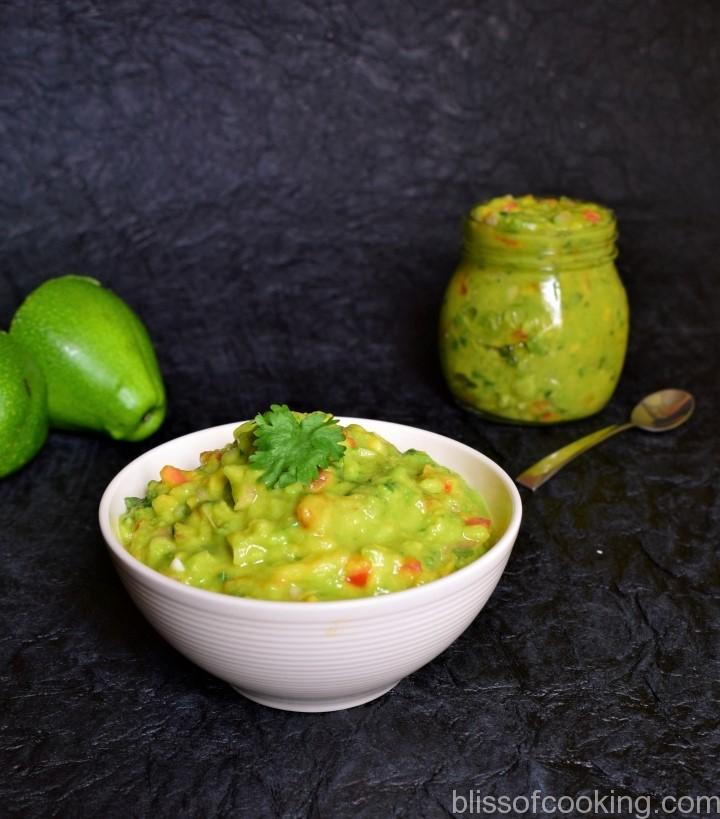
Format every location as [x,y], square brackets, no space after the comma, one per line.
[277,189]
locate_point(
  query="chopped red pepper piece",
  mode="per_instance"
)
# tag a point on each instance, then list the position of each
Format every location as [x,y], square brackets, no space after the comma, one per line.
[173,475]
[478,521]
[357,570]
[359,577]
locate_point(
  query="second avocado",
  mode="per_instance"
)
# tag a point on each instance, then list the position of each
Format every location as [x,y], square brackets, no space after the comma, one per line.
[101,370]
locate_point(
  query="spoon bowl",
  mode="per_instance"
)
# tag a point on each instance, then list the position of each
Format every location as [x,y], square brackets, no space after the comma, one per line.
[663,410]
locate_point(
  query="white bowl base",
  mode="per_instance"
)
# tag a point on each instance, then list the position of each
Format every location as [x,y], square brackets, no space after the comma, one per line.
[316,706]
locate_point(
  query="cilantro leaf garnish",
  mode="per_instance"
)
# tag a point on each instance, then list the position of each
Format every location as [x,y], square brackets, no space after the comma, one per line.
[290,449]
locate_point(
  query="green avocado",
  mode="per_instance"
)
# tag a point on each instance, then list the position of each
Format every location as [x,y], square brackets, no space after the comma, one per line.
[23,406]
[101,370]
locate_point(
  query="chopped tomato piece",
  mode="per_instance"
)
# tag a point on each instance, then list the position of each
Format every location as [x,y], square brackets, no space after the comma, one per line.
[319,482]
[540,406]
[591,216]
[413,565]
[357,571]
[448,486]
[476,520]
[350,441]
[359,577]
[173,475]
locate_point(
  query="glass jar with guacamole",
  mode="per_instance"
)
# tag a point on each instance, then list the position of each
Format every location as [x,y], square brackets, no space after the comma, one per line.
[534,324]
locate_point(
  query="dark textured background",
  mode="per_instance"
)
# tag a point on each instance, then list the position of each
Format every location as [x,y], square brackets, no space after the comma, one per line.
[277,188]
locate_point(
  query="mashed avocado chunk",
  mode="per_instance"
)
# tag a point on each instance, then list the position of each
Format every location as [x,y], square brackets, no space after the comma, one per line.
[372,521]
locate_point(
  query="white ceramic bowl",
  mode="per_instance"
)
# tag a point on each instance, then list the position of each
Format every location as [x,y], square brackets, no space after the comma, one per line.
[320,656]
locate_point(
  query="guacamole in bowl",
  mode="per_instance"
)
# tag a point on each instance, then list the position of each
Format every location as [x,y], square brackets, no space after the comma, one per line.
[335,653]
[371,521]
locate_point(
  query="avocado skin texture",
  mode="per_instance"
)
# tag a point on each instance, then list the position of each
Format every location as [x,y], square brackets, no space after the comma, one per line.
[99,363]
[23,406]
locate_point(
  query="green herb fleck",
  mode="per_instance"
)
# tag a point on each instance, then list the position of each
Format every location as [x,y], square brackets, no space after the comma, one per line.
[509,352]
[135,503]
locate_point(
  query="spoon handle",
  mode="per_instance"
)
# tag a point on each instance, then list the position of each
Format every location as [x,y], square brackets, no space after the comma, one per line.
[546,467]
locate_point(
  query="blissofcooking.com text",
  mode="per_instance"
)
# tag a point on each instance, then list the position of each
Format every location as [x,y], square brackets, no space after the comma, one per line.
[595,804]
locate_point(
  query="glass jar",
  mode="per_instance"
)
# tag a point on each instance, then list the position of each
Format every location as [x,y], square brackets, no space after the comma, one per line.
[534,324]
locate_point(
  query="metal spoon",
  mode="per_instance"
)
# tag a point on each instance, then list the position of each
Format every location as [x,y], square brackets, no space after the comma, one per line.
[658,412]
